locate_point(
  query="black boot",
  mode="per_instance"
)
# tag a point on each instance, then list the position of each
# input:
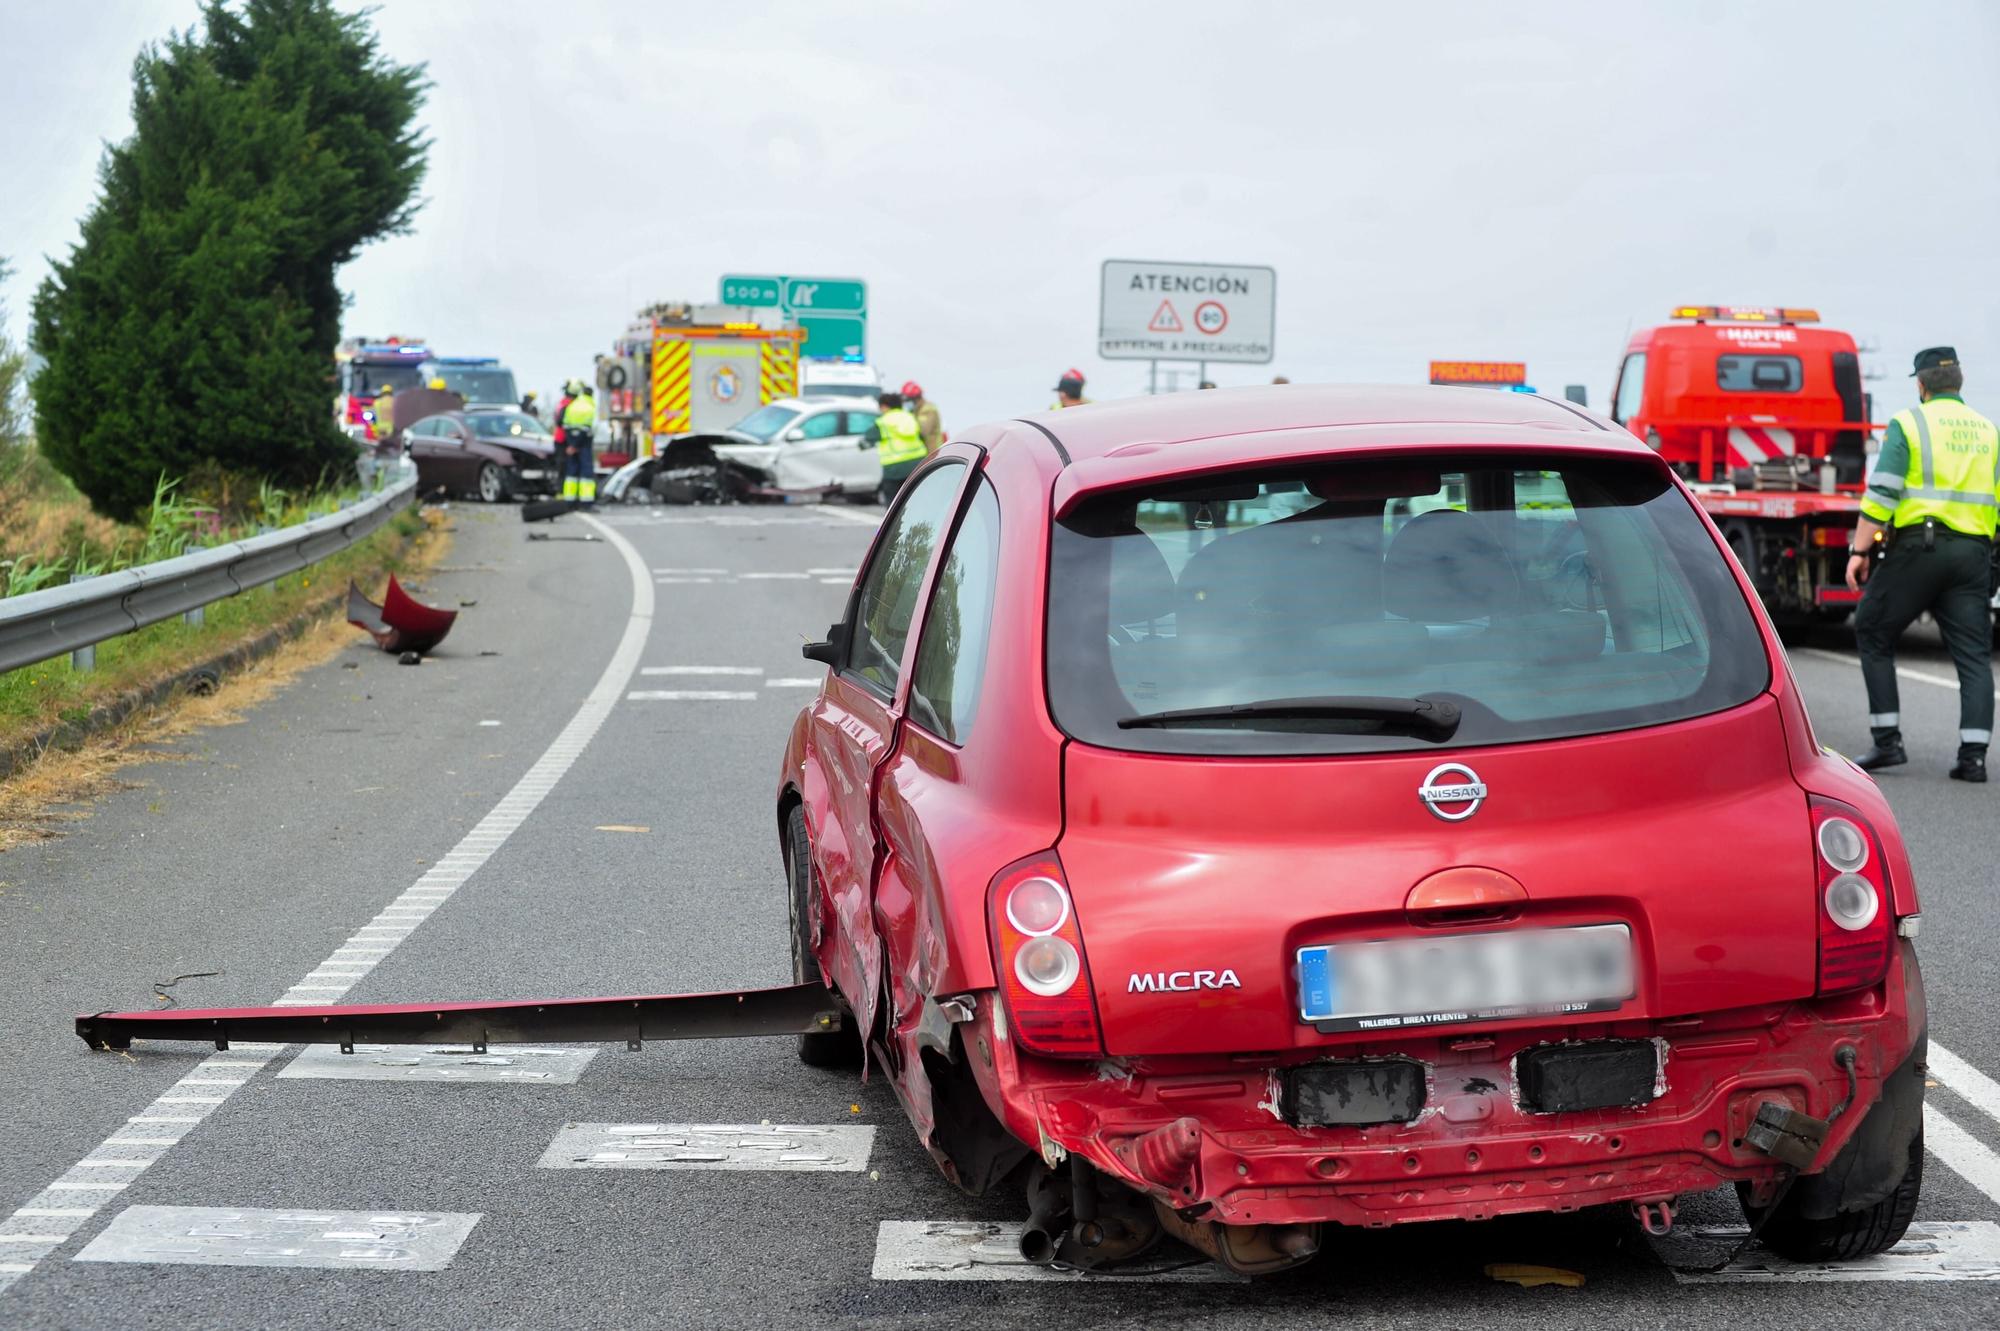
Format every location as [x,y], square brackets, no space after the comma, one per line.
[1971,764]
[1886,750]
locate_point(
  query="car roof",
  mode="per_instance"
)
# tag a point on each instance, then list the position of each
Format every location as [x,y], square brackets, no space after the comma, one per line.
[1098,428]
[1110,444]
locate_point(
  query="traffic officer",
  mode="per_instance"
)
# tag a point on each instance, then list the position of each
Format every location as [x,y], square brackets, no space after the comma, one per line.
[579,465]
[929,424]
[1936,490]
[899,444]
[1069,390]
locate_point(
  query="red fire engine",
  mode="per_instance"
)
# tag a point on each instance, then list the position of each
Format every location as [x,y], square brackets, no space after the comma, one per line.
[364,366]
[1767,420]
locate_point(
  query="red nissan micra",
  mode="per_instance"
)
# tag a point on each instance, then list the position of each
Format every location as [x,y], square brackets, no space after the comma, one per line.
[1233,813]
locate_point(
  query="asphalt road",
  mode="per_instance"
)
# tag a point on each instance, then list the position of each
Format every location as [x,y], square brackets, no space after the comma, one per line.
[335,840]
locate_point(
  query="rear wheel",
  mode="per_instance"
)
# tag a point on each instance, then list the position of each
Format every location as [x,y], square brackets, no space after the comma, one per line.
[1851,1234]
[492,484]
[830,1049]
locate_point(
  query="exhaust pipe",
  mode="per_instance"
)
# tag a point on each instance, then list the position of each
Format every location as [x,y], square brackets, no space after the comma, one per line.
[1048,1219]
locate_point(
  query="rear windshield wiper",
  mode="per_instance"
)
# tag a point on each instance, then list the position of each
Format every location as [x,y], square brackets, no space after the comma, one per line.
[1433,717]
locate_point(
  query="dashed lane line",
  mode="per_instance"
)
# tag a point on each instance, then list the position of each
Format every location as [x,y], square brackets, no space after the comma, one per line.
[73,1197]
[689,695]
[702,670]
[1902,672]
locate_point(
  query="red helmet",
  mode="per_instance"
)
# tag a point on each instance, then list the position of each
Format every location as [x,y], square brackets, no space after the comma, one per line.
[1073,373]
[912,389]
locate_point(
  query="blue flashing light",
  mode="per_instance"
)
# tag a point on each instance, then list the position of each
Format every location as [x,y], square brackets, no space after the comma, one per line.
[854,357]
[1522,388]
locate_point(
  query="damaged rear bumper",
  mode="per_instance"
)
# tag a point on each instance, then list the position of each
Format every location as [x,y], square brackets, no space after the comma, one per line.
[1223,1139]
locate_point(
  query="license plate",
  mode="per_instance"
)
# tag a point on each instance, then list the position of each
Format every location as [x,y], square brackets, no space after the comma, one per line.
[529,474]
[1396,983]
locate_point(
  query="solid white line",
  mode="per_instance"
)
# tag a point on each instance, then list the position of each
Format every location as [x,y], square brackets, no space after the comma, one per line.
[702,670]
[838,582]
[477,846]
[866,519]
[1975,1086]
[1902,672]
[687,695]
[1969,1157]
[801,682]
[681,582]
[684,572]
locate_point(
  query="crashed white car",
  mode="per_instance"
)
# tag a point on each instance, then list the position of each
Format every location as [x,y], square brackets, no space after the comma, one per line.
[793,447]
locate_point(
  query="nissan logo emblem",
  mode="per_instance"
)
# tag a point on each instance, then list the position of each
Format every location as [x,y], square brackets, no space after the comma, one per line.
[1452,791]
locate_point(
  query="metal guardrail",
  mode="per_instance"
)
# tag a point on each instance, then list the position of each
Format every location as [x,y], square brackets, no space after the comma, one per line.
[45,624]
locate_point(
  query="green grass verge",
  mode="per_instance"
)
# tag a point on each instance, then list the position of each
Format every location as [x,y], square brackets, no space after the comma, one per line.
[36,697]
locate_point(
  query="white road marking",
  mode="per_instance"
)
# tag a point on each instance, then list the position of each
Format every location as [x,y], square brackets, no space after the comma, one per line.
[489,723]
[800,682]
[768,577]
[702,670]
[1970,1158]
[986,1250]
[691,572]
[1933,1250]
[838,582]
[437,883]
[865,519]
[732,1146]
[519,1065]
[681,582]
[687,695]
[223,1236]
[1975,1086]
[1902,672]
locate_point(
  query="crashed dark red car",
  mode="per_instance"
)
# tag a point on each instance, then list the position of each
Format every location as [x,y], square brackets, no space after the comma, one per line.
[1241,813]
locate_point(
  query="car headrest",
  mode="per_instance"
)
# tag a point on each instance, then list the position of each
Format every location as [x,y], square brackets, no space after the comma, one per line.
[1142,585]
[1444,567]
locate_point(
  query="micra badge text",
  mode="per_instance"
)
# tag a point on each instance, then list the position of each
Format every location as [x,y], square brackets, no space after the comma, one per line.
[1182,982]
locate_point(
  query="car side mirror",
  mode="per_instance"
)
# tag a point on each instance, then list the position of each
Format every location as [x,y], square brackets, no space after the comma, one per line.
[793,436]
[830,652]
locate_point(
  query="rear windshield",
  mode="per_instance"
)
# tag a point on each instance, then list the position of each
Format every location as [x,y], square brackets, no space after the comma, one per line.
[1538,596]
[1759,374]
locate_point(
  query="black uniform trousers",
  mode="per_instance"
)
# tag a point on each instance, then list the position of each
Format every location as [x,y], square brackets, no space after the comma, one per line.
[1951,581]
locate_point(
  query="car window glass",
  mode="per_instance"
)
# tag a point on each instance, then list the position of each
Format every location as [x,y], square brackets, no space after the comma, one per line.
[1631,388]
[860,422]
[426,428]
[888,601]
[1546,598]
[951,658]
[1759,374]
[822,426]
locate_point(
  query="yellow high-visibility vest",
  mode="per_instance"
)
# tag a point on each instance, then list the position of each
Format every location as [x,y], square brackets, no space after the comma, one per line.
[1954,471]
[901,440]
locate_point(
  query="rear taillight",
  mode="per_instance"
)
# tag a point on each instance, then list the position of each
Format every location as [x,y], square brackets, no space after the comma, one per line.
[1038,956]
[1856,928]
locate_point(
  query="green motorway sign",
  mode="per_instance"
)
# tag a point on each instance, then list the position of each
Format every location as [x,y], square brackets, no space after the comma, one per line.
[758,292]
[833,311]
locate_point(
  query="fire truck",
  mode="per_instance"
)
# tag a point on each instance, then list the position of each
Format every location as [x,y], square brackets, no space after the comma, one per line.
[682,368]
[1765,417]
[363,366]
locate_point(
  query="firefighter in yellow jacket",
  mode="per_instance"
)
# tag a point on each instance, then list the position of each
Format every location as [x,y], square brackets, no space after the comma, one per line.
[899,444]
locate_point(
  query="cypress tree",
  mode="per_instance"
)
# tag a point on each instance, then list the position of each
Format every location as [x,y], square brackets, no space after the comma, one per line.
[194,323]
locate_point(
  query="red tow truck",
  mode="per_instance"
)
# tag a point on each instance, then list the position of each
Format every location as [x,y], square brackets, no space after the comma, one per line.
[1765,418]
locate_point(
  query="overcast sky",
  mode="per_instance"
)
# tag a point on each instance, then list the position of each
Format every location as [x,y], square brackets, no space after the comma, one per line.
[1510,182]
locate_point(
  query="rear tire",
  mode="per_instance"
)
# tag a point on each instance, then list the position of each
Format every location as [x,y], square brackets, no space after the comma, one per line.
[829,1049]
[1852,1234]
